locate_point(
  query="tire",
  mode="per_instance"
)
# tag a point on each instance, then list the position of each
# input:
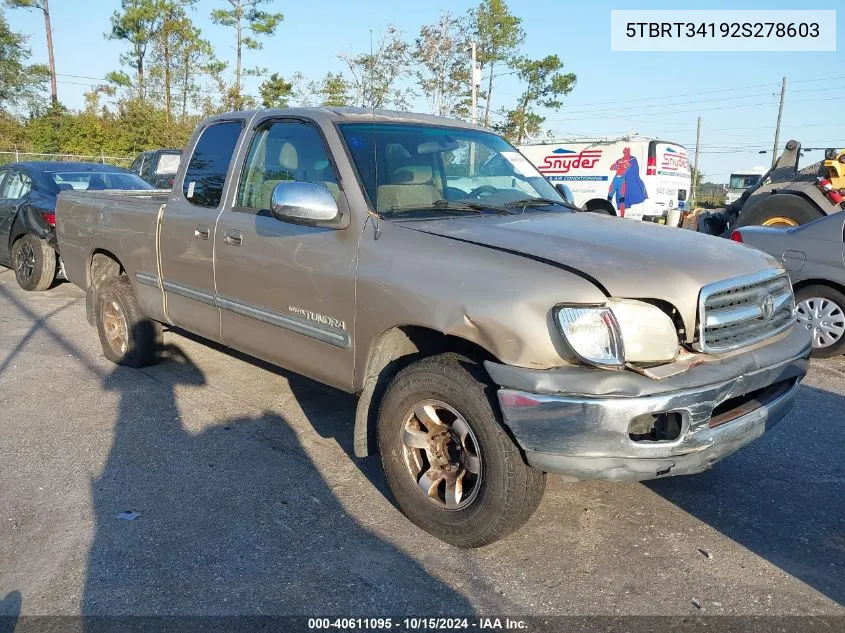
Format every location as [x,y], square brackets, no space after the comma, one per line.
[127,336]
[495,501]
[600,207]
[34,263]
[829,329]
[779,210]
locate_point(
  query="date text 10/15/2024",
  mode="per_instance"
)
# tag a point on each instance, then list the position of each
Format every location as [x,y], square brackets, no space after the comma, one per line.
[416,624]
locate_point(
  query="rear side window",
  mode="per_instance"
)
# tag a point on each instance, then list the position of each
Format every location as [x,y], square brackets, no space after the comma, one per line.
[206,173]
[168,164]
[17,185]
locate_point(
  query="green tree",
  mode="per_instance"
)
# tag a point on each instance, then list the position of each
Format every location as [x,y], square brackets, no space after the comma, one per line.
[498,35]
[196,59]
[275,92]
[137,23]
[250,22]
[44,7]
[375,75]
[544,85]
[333,91]
[21,84]
[443,66]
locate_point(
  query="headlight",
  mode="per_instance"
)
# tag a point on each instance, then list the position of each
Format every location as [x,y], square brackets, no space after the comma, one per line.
[648,332]
[622,331]
[593,334]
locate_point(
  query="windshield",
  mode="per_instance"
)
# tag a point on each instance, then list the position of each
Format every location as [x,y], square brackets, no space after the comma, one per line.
[97,180]
[413,170]
[743,181]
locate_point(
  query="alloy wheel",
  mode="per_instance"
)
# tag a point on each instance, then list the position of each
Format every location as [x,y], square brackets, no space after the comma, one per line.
[25,263]
[115,327]
[441,454]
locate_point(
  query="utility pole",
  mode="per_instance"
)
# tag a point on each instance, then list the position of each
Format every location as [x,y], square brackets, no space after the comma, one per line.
[475,77]
[777,127]
[695,172]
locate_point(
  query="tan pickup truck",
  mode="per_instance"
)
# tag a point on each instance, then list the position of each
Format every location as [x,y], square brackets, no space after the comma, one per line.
[493,332]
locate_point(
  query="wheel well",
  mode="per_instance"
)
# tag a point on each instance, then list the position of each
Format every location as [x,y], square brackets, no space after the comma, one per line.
[389,353]
[598,203]
[103,266]
[818,282]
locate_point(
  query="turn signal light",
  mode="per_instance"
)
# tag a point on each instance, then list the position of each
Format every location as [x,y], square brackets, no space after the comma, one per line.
[736,236]
[516,400]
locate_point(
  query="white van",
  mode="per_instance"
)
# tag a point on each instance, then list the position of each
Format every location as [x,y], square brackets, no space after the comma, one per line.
[631,176]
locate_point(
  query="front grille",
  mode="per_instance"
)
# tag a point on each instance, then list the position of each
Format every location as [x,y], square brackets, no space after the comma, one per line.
[735,313]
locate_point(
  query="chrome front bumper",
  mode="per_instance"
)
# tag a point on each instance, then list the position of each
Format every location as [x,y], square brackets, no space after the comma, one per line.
[589,437]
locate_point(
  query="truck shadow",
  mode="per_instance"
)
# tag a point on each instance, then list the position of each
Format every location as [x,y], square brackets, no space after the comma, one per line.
[330,412]
[209,517]
[782,495]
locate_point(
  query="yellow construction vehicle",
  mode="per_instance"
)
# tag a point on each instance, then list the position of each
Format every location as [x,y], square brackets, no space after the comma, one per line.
[834,164]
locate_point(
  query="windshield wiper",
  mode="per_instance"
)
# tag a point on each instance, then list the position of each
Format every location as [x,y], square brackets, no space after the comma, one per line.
[453,206]
[538,202]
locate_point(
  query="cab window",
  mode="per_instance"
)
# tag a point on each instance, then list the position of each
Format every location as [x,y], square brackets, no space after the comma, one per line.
[206,173]
[282,151]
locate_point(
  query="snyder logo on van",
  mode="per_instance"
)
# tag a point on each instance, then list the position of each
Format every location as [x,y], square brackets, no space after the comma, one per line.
[674,163]
[563,160]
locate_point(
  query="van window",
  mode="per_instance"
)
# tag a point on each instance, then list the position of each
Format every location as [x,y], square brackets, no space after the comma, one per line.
[206,173]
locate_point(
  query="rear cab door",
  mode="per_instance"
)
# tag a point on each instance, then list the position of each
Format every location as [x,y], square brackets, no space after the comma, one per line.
[187,229]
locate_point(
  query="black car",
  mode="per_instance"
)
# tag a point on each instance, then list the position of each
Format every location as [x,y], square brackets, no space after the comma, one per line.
[28,194]
[158,167]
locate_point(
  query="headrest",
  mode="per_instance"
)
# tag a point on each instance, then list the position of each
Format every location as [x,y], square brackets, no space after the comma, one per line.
[412,175]
[288,158]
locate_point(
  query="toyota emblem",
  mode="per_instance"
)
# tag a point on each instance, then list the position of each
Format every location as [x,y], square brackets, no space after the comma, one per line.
[767,306]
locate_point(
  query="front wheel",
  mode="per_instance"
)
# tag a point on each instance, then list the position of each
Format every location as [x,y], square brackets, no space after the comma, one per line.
[782,210]
[34,262]
[451,466]
[821,309]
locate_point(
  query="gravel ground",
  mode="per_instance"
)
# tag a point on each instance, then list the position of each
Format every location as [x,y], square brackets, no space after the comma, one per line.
[248,501]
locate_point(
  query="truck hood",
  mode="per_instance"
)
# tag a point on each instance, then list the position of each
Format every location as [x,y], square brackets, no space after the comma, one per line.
[624,258]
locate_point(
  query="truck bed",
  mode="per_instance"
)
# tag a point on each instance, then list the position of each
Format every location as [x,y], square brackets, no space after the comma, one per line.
[117,221]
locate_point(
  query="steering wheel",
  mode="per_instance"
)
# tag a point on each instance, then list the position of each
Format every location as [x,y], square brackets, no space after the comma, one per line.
[478,191]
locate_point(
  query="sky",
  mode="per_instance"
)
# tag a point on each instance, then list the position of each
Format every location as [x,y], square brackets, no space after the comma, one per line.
[653,94]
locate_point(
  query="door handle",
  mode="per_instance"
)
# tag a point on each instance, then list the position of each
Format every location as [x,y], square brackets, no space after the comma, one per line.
[201,232]
[233,237]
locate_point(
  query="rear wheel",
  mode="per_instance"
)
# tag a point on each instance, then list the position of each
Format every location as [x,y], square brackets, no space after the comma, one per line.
[779,210]
[453,469]
[34,262]
[821,309]
[127,336]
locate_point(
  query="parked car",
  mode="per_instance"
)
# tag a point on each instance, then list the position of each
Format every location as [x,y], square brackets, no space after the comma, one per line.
[27,212]
[158,167]
[814,256]
[492,333]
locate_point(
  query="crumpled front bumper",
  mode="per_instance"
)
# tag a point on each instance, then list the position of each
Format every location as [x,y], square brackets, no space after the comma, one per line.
[588,436]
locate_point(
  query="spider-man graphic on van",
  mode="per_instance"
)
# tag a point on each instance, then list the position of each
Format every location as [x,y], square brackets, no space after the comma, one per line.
[627,186]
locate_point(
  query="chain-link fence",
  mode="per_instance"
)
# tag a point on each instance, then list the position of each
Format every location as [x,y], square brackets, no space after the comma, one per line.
[709,196]
[16,156]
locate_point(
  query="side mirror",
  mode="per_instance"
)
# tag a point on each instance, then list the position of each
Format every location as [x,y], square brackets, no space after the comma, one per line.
[565,192]
[303,203]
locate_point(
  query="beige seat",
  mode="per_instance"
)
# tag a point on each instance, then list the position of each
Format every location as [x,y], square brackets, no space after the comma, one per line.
[288,164]
[410,185]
